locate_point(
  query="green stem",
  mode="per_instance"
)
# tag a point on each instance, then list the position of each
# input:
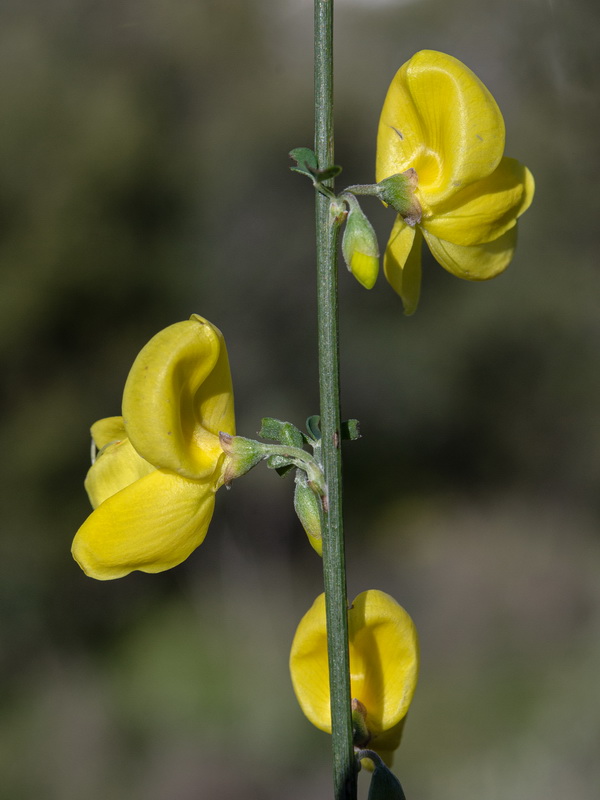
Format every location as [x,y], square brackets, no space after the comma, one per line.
[334,569]
[364,188]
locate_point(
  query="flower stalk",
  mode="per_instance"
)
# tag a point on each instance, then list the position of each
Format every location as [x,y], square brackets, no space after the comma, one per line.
[334,570]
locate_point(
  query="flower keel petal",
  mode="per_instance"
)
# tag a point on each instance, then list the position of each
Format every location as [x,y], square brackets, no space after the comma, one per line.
[402,264]
[476,263]
[151,525]
[487,209]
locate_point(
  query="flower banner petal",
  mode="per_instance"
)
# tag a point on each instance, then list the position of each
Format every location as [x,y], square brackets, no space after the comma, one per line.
[177,398]
[151,525]
[309,666]
[214,403]
[476,263]
[486,209]
[402,264]
[440,119]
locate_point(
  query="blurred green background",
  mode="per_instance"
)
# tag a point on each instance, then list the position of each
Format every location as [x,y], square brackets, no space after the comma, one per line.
[144,176]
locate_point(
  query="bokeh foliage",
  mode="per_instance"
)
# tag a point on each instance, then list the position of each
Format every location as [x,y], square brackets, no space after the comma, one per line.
[143,177]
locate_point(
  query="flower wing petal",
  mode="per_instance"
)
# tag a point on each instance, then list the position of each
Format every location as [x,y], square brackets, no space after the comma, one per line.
[384,648]
[151,525]
[117,466]
[486,209]
[309,667]
[107,430]
[440,119]
[387,742]
[177,398]
[478,262]
[402,264]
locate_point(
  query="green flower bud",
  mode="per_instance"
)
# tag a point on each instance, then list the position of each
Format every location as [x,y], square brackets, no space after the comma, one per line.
[359,245]
[308,508]
[384,784]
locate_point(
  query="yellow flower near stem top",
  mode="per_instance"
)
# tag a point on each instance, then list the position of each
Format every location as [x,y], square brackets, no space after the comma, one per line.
[441,126]
[384,663]
[154,480]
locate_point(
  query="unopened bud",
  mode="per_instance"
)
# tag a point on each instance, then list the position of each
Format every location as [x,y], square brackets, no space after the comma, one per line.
[308,508]
[384,784]
[359,245]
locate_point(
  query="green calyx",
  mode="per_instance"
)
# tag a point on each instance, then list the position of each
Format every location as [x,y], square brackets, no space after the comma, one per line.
[243,454]
[398,191]
[361,735]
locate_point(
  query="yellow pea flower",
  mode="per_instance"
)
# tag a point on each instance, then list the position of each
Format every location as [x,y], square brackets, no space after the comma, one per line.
[384,662]
[154,480]
[439,120]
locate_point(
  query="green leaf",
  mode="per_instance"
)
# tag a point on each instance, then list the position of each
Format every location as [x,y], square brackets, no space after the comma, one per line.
[270,428]
[279,463]
[329,172]
[304,156]
[306,161]
[282,432]
[281,471]
[350,429]
[313,426]
[291,436]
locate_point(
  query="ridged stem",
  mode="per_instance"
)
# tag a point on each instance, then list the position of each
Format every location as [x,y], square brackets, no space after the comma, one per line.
[334,569]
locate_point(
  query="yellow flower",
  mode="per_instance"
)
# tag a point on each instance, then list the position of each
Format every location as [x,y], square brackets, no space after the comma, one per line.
[439,120]
[153,483]
[384,661]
